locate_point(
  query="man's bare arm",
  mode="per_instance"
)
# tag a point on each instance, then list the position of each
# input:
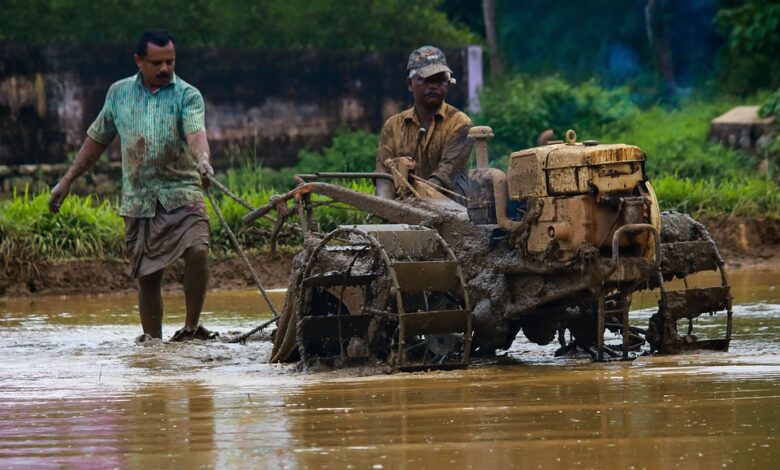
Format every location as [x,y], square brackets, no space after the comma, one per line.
[88,155]
[199,147]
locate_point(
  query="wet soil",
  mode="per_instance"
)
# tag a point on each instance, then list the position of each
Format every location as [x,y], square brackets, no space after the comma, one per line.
[104,276]
[752,243]
[747,242]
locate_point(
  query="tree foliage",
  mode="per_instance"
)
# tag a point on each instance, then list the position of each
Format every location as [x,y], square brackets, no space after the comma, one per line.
[579,40]
[280,24]
[753,29]
[520,108]
[771,106]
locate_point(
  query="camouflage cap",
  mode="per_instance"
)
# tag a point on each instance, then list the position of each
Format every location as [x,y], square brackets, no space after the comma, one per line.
[427,61]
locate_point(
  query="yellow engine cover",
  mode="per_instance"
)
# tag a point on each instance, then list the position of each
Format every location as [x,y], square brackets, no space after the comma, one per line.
[572,169]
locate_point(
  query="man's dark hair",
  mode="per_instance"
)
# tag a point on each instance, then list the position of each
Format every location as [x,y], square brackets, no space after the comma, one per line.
[157,37]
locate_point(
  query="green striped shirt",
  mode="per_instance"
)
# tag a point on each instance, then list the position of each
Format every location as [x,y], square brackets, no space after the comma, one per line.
[152,127]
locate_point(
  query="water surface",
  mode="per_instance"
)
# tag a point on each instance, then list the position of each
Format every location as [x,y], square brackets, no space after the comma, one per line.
[76,392]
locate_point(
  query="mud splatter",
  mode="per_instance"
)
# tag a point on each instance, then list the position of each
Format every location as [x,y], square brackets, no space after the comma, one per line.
[134,160]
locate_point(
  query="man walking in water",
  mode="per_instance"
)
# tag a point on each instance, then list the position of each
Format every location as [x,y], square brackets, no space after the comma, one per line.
[165,164]
[432,133]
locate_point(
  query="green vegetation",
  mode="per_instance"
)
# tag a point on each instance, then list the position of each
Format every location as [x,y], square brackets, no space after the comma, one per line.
[675,138]
[753,39]
[519,109]
[273,24]
[629,86]
[693,175]
[771,106]
[349,151]
[84,228]
[89,229]
[249,182]
[676,142]
[712,197]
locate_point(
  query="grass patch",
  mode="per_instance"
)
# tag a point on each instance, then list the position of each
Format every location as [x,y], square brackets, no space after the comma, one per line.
[676,142]
[251,188]
[711,197]
[84,228]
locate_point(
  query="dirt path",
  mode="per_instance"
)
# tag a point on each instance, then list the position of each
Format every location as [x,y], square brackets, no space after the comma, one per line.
[745,243]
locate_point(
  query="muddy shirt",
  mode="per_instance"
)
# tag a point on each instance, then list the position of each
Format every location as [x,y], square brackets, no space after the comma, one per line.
[443,151]
[152,127]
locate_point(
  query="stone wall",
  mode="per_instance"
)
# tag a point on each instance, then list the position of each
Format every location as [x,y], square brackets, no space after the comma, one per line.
[741,127]
[267,104]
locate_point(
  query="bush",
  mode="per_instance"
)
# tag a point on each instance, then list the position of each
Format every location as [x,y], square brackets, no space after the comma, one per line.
[749,61]
[349,151]
[520,108]
[676,142]
[771,106]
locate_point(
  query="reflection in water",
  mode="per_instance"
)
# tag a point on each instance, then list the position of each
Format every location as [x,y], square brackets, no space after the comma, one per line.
[538,418]
[151,426]
[76,392]
[175,421]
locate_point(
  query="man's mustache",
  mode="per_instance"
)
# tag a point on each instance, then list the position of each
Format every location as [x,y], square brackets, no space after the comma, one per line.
[163,75]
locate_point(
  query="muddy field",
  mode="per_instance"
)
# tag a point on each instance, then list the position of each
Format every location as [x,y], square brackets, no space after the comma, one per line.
[749,243]
[76,392]
[103,276]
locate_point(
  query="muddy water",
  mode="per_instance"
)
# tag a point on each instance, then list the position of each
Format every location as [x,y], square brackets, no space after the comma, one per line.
[76,392]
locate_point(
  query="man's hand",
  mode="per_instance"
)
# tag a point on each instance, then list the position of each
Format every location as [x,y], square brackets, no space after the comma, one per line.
[58,194]
[199,146]
[206,173]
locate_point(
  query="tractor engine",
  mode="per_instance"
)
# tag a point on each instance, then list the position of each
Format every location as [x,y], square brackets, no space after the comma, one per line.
[570,196]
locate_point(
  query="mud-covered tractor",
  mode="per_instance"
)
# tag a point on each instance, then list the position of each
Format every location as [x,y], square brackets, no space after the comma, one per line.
[555,248]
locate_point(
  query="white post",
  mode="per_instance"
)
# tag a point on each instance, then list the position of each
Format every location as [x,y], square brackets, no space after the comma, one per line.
[474,79]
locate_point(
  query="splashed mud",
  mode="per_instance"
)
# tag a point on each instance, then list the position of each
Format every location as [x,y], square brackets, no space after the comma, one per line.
[76,392]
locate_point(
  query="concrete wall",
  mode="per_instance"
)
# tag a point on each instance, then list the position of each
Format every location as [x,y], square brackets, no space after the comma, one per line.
[269,104]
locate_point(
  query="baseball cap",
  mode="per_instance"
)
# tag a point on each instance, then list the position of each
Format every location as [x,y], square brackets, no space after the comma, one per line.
[427,61]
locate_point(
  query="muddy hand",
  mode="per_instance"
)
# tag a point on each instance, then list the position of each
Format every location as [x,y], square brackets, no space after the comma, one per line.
[206,173]
[58,194]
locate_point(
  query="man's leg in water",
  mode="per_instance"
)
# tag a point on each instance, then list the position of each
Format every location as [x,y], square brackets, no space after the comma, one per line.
[196,278]
[150,303]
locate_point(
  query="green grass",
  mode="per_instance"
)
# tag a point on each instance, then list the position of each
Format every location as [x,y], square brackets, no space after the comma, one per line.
[690,173]
[677,142]
[84,228]
[250,186]
[742,196]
